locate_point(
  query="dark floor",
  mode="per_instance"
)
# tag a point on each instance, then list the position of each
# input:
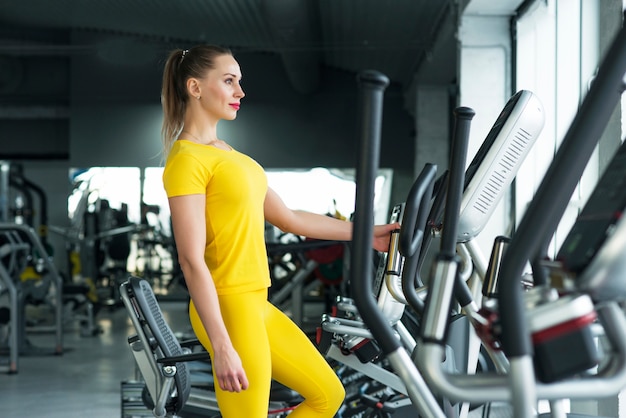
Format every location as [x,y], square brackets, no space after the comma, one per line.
[86,380]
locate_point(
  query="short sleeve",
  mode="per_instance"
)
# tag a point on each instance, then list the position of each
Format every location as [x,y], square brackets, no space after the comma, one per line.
[184,174]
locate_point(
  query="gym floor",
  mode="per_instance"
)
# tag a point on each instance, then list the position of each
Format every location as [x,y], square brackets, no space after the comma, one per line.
[86,380]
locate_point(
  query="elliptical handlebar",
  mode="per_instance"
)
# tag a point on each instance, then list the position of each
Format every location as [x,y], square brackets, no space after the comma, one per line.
[412,232]
[417,203]
[456,179]
[372,85]
[445,280]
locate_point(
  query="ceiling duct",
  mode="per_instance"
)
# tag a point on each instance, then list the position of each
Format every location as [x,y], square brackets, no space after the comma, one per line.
[294,29]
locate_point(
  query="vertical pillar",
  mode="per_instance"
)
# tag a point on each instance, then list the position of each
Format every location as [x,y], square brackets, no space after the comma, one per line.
[485,82]
[432,139]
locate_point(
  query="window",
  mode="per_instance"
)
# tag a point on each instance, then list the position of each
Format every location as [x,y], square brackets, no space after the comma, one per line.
[557,54]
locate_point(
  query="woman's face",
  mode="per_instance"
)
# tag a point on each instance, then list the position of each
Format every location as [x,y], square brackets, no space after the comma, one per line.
[221,91]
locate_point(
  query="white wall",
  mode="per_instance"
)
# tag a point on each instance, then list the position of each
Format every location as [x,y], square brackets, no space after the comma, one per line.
[485,86]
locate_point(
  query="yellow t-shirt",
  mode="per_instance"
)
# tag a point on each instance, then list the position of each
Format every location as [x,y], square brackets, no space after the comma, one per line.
[235,187]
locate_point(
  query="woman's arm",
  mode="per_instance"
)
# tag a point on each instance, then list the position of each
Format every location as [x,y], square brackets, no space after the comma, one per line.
[188,221]
[313,225]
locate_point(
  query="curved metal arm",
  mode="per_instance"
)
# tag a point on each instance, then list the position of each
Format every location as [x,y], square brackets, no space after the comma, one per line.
[412,231]
[372,85]
[416,211]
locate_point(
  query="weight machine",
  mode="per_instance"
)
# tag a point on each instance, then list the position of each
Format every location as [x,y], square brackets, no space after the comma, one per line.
[523,324]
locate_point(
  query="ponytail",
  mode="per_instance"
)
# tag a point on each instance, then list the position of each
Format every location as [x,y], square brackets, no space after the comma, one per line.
[173,101]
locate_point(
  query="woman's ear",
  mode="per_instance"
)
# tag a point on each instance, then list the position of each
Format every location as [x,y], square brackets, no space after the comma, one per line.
[193,88]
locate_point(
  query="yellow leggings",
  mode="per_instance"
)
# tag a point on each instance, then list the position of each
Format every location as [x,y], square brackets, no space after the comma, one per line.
[271,346]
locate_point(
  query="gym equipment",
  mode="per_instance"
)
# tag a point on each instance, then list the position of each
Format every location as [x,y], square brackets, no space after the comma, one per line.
[478,191]
[488,177]
[589,252]
[372,85]
[497,161]
[294,260]
[588,260]
[115,247]
[164,362]
[20,247]
[344,338]
[5,167]
[519,385]
[100,237]
[26,203]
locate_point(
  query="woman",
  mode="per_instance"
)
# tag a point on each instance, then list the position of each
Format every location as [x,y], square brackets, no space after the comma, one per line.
[225,263]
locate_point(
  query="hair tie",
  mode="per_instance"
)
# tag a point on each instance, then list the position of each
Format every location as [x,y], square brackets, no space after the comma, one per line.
[182,55]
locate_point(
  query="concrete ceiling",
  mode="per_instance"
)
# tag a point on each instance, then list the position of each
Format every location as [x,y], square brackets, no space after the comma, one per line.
[396,37]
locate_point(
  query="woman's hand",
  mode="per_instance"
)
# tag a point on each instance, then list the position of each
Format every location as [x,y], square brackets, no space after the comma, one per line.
[382,235]
[229,371]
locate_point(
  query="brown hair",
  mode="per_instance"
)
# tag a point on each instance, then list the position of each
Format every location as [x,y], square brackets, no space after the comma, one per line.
[179,67]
